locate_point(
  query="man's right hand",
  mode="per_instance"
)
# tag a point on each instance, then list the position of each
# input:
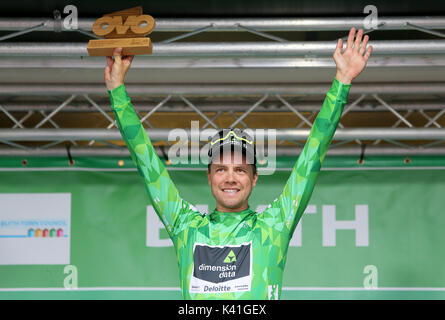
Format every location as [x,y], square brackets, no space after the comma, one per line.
[116,69]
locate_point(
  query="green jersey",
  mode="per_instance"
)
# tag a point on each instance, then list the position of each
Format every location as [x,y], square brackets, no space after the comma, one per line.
[237,255]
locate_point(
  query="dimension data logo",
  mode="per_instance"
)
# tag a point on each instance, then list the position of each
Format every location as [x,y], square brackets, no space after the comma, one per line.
[231,257]
[221,268]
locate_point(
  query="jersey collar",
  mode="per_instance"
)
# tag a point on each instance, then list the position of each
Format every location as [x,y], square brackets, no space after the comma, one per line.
[220,216]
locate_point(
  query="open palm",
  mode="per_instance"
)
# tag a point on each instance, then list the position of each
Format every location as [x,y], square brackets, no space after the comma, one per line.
[353,60]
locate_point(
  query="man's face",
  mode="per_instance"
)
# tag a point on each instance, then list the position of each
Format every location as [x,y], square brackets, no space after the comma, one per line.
[231,181]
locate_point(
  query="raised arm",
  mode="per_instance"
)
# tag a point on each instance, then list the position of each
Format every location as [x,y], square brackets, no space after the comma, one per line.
[170,207]
[290,205]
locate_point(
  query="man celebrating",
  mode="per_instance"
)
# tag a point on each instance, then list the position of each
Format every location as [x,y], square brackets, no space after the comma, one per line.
[234,252]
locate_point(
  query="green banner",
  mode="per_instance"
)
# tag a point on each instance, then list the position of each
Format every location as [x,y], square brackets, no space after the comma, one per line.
[366,234]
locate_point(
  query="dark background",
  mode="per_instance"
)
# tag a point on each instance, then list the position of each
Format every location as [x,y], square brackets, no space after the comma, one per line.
[226,8]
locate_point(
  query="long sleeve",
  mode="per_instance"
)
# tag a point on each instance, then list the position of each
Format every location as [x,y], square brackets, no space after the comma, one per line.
[170,207]
[288,208]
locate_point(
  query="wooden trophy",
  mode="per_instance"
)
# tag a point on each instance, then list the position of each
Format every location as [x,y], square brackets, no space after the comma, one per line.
[126,29]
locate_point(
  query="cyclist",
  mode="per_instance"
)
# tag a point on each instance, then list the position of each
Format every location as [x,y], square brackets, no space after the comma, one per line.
[234,252]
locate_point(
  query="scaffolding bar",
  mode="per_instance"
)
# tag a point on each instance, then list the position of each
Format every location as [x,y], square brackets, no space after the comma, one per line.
[223,106]
[281,134]
[230,49]
[280,151]
[223,89]
[260,24]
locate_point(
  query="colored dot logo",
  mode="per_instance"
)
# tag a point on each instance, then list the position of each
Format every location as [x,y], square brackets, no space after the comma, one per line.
[45,233]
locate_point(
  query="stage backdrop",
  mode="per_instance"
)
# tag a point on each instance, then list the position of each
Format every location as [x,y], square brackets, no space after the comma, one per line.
[90,232]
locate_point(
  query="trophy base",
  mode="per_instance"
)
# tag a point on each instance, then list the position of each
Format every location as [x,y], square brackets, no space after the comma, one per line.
[130,46]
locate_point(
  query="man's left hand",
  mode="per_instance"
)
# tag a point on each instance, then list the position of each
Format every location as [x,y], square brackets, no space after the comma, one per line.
[353,60]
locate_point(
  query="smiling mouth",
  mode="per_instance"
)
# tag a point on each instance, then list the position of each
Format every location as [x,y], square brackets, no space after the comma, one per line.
[230,191]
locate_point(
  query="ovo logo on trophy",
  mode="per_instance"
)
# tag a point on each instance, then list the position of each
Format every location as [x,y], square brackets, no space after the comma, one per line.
[126,29]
